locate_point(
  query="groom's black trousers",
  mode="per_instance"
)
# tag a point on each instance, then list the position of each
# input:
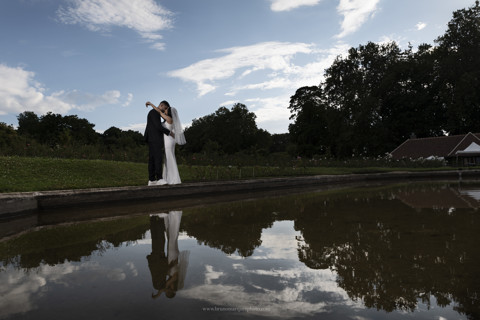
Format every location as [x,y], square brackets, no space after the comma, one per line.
[155,161]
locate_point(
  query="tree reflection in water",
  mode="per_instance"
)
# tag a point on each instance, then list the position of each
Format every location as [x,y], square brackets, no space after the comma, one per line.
[55,245]
[389,246]
[388,249]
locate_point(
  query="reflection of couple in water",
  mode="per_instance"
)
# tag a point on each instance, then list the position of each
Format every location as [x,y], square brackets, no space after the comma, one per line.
[168,271]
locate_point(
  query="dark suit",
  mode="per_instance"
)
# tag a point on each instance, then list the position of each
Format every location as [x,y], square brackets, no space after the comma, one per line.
[154,137]
[157,260]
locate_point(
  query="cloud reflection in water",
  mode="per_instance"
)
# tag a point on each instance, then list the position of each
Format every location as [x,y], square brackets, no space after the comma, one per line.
[272,280]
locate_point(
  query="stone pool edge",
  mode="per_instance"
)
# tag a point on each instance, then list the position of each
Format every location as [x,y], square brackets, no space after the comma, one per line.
[18,203]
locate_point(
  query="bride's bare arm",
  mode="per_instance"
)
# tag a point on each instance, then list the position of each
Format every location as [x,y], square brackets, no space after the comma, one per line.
[162,114]
[166,117]
[148,103]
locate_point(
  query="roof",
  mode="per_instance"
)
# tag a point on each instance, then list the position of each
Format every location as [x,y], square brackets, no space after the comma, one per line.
[445,146]
[473,148]
[441,198]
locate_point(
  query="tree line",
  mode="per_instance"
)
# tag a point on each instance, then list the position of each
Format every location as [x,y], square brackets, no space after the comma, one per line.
[69,137]
[368,103]
[221,134]
[378,96]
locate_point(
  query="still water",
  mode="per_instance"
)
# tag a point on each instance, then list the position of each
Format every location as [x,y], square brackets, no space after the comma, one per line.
[406,251]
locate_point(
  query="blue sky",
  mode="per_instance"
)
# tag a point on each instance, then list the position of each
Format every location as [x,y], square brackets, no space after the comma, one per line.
[103,59]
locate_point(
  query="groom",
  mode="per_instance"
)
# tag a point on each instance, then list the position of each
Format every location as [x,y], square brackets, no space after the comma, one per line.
[154,137]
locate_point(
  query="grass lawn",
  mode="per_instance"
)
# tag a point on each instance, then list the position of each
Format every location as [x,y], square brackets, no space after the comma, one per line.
[38,174]
[19,174]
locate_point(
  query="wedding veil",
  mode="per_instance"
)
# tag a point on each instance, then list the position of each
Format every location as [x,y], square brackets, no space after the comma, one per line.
[177,128]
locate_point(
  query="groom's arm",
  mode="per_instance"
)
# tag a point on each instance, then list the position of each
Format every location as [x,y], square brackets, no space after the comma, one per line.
[166,131]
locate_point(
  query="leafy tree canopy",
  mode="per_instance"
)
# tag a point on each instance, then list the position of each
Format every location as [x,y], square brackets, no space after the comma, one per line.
[227,131]
[379,95]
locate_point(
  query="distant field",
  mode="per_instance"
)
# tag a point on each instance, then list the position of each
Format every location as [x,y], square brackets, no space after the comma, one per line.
[19,174]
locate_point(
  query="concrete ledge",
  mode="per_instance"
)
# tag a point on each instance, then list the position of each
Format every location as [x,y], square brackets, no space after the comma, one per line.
[11,203]
[18,203]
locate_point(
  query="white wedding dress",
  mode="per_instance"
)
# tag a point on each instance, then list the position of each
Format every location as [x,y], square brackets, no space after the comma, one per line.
[170,168]
[172,228]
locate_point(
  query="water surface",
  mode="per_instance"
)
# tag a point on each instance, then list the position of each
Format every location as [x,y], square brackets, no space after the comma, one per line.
[385,252]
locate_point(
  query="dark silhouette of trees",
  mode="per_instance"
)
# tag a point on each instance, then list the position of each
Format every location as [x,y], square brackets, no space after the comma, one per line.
[280,142]
[378,95]
[458,63]
[28,124]
[69,137]
[55,129]
[370,101]
[226,131]
[8,137]
[311,132]
[114,137]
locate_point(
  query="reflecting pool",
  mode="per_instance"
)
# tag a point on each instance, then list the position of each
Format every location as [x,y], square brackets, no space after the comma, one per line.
[408,251]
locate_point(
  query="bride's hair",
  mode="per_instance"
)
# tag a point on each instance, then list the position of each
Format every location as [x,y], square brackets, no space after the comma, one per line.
[165,103]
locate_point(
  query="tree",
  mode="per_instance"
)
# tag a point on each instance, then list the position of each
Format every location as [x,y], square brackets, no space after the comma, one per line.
[458,78]
[370,102]
[407,99]
[54,129]
[280,142]
[114,137]
[28,124]
[234,129]
[311,128]
[199,133]
[8,139]
[111,136]
[81,130]
[229,131]
[358,87]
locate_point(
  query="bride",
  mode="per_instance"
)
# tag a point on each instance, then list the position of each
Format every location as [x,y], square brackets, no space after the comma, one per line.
[172,123]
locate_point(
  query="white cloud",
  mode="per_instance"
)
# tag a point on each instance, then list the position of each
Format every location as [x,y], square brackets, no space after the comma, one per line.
[271,112]
[228,103]
[140,127]
[19,288]
[283,295]
[287,5]
[279,242]
[355,13]
[211,275]
[274,56]
[87,101]
[145,17]
[299,76]
[285,75]
[399,40]
[158,46]
[129,100]
[133,268]
[420,25]
[20,92]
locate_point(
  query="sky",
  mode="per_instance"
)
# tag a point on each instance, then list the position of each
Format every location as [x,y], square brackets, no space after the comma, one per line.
[103,59]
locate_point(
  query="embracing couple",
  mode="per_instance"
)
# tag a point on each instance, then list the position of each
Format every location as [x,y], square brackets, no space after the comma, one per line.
[163,131]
